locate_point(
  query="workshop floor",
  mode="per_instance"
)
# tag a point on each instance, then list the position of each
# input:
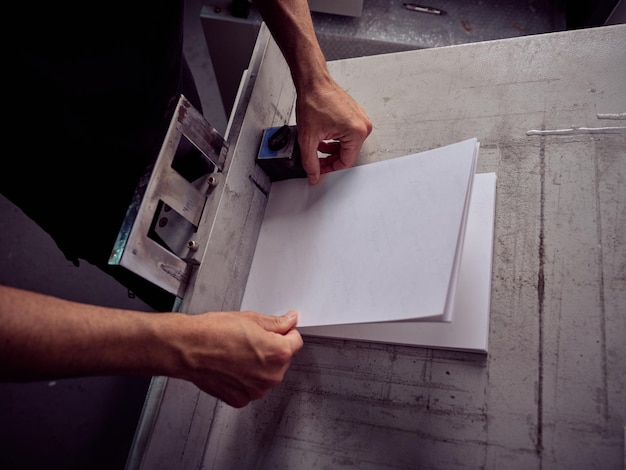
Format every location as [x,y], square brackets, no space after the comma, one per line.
[82,423]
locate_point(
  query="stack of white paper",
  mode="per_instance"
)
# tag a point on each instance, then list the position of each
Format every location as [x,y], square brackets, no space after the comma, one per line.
[397,251]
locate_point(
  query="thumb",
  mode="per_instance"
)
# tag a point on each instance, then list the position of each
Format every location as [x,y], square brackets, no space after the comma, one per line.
[282,324]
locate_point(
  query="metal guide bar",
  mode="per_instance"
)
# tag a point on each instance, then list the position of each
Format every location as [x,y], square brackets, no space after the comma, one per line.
[155,422]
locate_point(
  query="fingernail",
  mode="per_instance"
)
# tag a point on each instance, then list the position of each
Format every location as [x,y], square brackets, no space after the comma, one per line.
[313,179]
[291,314]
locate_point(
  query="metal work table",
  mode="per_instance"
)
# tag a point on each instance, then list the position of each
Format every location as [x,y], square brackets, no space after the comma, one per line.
[551,391]
[384,26]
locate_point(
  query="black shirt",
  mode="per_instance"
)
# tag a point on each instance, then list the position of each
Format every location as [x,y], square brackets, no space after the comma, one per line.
[91,90]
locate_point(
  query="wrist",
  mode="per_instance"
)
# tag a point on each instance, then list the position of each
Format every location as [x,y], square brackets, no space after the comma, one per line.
[164,347]
[181,346]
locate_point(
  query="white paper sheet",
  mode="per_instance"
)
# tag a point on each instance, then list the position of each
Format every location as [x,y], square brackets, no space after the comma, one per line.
[469,329]
[373,243]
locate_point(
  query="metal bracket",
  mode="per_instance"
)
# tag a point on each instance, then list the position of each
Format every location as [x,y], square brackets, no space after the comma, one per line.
[156,240]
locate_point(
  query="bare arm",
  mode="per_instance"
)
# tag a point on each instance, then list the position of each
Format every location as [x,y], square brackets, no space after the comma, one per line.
[235,356]
[323,110]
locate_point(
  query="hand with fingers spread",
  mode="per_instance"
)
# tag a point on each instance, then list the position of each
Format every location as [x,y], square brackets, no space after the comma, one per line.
[331,122]
[324,111]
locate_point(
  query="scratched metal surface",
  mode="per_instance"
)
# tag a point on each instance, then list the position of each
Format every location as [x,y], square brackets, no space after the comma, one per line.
[551,391]
[386,26]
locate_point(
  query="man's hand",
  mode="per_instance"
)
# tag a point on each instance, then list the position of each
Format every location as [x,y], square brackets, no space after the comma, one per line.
[330,121]
[324,112]
[235,356]
[238,356]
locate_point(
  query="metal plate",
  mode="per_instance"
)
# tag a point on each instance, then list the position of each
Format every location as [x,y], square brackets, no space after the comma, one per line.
[158,239]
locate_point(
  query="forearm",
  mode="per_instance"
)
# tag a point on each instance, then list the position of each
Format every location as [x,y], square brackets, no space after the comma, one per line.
[290,23]
[235,356]
[324,111]
[45,337]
